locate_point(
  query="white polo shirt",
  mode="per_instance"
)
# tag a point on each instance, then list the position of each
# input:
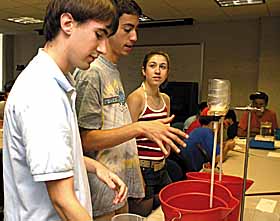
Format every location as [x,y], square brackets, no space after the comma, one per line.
[41,142]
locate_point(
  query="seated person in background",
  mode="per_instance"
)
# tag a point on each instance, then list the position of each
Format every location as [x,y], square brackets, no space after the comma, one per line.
[189,121]
[231,124]
[7,88]
[200,146]
[195,123]
[259,100]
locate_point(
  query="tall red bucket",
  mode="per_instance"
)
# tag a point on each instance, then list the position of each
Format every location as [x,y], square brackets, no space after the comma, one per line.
[233,183]
[188,200]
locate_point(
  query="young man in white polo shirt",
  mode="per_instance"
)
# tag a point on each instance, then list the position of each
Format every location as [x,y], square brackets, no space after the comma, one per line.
[44,169]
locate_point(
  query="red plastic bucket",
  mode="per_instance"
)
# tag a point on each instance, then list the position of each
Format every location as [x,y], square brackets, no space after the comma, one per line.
[188,200]
[233,183]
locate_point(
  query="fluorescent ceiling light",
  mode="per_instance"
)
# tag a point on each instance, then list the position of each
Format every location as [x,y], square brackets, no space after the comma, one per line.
[25,20]
[227,3]
[144,18]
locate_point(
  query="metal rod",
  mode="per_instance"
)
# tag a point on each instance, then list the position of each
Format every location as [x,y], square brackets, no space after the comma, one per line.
[245,165]
[263,194]
[247,108]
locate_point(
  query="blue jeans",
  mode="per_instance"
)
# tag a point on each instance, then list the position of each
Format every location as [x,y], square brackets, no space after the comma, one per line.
[154,181]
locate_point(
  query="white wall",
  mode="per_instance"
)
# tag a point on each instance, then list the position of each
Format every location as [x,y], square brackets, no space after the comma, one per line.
[269,62]
[26,46]
[246,52]
[1,60]
[231,52]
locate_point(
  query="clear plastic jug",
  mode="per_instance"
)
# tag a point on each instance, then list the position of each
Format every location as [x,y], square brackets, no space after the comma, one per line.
[218,96]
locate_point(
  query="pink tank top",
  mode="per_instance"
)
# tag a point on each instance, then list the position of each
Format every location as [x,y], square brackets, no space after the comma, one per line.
[148,149]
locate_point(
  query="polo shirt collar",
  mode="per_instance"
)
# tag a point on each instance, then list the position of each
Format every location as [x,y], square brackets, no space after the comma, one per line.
[65,81]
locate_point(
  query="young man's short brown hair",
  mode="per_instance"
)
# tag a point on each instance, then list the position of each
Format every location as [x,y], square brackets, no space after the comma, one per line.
[81,11]
[129,7]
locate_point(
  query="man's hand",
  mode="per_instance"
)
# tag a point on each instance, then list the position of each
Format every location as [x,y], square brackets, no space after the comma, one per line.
[109,178]
[163,134]
[114,182]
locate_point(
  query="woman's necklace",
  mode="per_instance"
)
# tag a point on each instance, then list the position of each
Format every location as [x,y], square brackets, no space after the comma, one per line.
[153,100]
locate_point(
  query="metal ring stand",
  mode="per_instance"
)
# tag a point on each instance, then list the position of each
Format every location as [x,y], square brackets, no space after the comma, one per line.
[249,109]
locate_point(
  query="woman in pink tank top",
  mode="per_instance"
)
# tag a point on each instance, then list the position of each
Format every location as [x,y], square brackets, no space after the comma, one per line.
[148,103]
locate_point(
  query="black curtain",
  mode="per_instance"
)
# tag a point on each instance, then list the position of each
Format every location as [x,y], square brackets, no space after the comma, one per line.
[183,99]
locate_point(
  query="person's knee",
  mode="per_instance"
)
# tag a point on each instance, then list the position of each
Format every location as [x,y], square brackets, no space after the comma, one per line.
[156,201]
[142,207]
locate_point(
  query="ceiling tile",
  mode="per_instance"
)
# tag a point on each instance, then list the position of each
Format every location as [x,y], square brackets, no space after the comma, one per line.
[151,9]
[251,11]
[202,11]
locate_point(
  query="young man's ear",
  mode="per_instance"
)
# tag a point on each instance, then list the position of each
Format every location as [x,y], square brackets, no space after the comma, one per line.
[66,23]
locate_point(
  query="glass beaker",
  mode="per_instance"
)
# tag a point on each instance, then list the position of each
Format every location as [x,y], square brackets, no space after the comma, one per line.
[277,133]
[128,217]
[266,128]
